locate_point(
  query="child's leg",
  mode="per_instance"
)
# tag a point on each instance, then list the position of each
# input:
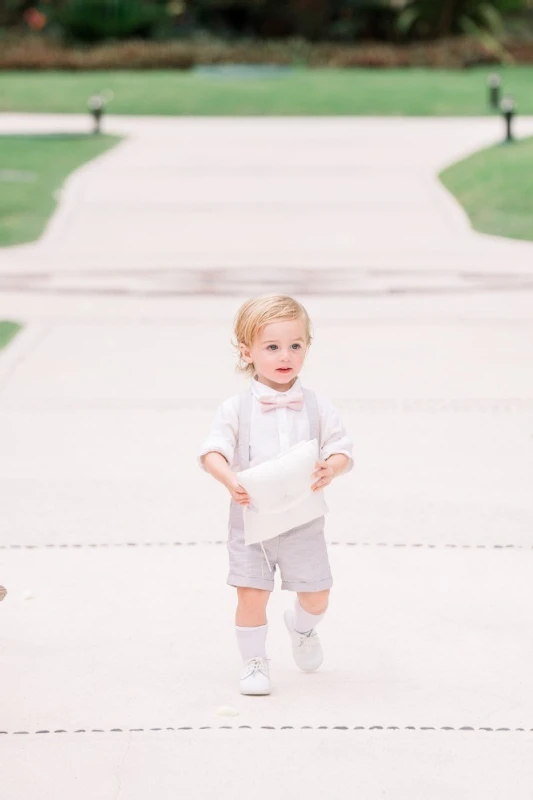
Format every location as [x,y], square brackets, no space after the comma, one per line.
[310,609]
[251,622]
[251,608]
[304,566]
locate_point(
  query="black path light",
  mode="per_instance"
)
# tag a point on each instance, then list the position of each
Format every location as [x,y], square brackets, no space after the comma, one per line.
[96,106]
[494,83]
[507,107]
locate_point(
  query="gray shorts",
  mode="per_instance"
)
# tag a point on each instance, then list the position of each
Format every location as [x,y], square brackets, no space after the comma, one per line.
[301,555]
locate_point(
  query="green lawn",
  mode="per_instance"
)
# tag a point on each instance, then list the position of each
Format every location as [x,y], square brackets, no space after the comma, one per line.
[32,170]
[7,331]
[495,187]
[410,92]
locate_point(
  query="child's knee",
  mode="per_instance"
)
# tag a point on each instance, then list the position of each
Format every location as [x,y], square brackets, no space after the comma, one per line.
[252,598]
[314,602]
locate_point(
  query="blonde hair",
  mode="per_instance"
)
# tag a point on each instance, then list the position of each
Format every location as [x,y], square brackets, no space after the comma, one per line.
[260,311]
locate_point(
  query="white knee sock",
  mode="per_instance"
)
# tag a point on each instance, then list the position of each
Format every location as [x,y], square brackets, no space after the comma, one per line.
[304,622]
[252,641]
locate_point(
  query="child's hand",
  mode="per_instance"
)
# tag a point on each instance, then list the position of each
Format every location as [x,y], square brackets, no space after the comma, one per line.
[325,474]
[237,492]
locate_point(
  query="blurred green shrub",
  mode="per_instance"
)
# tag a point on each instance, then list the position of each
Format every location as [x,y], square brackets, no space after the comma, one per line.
[432,19]
[100,20]
[92,21]
[312,20]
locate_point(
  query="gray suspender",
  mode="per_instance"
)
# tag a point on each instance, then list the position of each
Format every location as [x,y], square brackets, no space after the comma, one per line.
[245,420]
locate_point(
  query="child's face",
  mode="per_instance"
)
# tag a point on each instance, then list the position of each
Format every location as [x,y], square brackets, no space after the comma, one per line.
[278,353]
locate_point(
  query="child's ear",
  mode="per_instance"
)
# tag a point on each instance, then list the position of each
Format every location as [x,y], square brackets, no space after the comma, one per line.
[245,353]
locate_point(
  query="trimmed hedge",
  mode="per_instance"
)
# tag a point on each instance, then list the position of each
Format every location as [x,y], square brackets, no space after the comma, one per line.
[40,53]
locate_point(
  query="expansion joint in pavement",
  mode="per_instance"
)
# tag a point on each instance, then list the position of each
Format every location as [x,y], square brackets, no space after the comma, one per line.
[485,729]
[70,545]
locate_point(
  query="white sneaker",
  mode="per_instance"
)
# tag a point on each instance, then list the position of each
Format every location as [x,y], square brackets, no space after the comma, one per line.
[255,678]
[306,647]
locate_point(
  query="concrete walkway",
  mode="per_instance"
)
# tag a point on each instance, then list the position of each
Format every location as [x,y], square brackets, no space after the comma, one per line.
[355,196]
[118,659]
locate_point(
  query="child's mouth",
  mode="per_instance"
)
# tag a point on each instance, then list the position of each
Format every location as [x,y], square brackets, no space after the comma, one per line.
[284,369]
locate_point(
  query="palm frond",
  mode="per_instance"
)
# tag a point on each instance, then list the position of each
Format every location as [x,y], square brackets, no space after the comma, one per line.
[491,18]
[406,19]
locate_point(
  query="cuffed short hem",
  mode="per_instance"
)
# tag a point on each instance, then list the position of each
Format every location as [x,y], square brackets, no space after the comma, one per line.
[250,583]
[312,586]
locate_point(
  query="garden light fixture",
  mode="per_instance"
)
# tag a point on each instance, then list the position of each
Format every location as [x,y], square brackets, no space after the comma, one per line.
[507,107]
[96,106]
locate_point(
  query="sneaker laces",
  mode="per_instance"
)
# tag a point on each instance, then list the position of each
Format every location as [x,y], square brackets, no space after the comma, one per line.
[307,640]
[257,664]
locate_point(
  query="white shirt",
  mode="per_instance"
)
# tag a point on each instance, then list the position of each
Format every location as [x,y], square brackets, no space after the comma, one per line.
[275,431]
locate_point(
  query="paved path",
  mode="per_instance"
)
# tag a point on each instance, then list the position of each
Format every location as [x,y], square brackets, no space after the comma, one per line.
[117,639]
[357,197]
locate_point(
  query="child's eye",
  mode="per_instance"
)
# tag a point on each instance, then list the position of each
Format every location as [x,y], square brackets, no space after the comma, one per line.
[272,346]
[296,346]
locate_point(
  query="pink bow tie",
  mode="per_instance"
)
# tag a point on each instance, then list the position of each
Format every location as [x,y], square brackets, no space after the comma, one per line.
[294,400]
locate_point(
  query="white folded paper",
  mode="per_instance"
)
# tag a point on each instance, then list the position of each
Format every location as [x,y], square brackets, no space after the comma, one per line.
[280,493]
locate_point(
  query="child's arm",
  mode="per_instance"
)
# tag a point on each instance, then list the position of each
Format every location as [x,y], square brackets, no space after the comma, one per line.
[218,467]
[330,468]
[338,463]
[217,452]
[335,447]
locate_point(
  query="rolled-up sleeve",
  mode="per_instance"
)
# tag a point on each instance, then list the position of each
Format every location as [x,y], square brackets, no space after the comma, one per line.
[333,436]
[222,437]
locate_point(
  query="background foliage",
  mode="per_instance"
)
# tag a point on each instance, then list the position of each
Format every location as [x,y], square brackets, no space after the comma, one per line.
[90,21]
